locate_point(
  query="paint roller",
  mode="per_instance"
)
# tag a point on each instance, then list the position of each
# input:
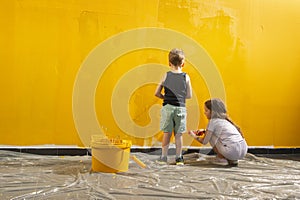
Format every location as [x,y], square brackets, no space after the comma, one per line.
[138,161]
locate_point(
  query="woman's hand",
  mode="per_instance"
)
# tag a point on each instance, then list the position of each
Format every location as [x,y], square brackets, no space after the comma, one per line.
[193,134]
[196,133]
[200,132]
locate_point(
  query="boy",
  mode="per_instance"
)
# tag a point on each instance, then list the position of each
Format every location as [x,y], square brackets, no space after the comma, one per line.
[177,88]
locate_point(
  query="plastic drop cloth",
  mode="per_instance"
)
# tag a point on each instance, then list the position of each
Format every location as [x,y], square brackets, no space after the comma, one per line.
[27,176]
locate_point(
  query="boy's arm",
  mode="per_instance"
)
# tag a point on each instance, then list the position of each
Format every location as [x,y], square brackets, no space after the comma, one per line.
[158,92]
[159,88]
[189,92]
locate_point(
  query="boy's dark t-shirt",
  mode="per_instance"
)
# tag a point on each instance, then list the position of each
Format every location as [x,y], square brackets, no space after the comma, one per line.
[175,89]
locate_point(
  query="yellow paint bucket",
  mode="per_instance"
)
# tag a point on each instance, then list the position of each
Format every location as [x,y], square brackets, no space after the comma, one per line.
[110,155]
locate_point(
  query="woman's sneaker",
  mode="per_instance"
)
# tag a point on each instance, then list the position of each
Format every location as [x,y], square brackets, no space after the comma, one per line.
[179,160]
[220,161]
[233,163]
[162,160]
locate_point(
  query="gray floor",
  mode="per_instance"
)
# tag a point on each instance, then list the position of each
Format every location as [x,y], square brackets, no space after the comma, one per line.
[28,176]
[295,157]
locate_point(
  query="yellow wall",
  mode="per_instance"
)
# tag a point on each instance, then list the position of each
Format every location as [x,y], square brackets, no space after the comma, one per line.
[254,44]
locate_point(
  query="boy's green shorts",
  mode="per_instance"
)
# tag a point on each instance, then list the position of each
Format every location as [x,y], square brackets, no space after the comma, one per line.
[173,118]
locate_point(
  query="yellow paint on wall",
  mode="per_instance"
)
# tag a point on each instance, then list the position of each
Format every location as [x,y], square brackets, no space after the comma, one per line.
[255,45]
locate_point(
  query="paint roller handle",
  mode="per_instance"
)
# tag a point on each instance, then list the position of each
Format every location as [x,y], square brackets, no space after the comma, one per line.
[138,161]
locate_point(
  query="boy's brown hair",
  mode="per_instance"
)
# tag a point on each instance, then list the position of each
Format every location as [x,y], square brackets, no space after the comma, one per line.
[176,57]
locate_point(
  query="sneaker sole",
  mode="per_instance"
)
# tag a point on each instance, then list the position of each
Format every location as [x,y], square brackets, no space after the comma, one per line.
[234,163]
[161,162]
[180,163]
[221,164]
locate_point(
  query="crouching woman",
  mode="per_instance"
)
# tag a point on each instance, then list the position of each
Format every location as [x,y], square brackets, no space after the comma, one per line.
[223,135]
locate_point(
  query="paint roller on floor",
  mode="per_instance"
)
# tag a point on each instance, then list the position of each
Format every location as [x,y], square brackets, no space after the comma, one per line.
[138,161]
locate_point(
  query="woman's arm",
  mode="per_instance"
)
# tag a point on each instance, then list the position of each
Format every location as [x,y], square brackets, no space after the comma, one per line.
[207,137]
[197,138]
[203,140]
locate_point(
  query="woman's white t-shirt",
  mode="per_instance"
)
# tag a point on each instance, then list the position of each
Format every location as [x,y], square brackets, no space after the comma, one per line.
[221,130]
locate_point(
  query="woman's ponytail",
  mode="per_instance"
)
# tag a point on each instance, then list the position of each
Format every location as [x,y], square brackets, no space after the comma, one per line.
[237,127]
